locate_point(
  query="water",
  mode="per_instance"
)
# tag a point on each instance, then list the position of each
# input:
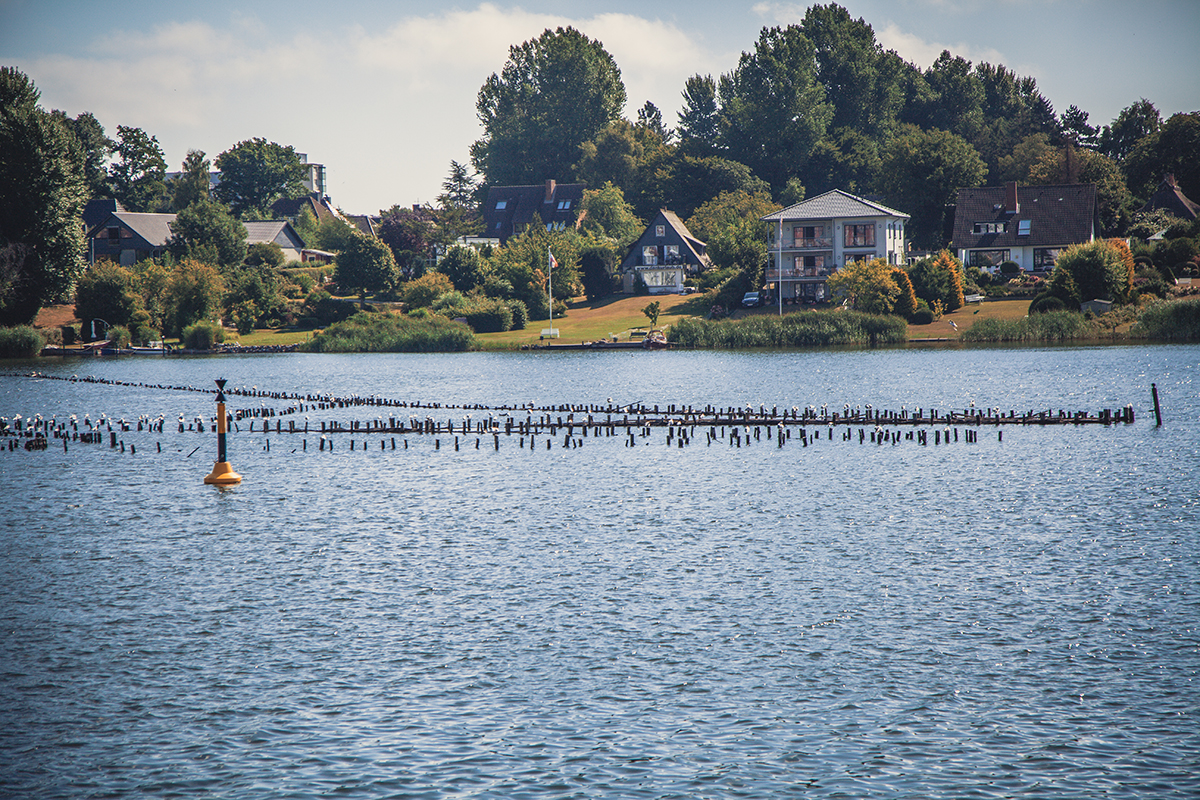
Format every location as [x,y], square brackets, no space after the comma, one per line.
[1013,618]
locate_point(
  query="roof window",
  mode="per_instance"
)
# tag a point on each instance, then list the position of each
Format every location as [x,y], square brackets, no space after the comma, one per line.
[1023,227]
[501,205]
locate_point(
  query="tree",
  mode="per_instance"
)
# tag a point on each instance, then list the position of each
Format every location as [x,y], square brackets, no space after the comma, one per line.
[1133,124]
[848,62]
[597,261]
[1099,270]
[138,177]
[683,183]
[773,109]
[366,264]
[555,93]
[955,102]
[409,233]
[459,188]
[1018,164]
[464,267]
[205,231]
[193,184]
[1172,150]
[607,214]
[613,156]
[423,291]
[700,119]
[95,148]
[255,173]
[652,311]
[650,119]
[906,301]
[922,172]
[868,284]
[42,193]
[1075,128]
[194,292]
[938,280]
[523,262]
[107,291]
[254,296]
[730,209]
[267,254]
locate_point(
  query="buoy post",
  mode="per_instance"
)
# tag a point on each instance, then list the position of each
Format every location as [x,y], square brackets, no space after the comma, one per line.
[1157,408]
[222,474]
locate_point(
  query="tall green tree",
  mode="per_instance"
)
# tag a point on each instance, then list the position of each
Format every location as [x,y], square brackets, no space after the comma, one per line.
[1114,203]
[922,172]
[1134,123]
[255,173]
[848,67]
[94,147]
[138,177]
[206,231]
[1170,149]
[523,263]
[607,214]
[109,292]
[773,109]
[555,93]
[1099,269]
[366,265]
[193,184]
[465,268]
[955,99]
[42,193]
[410,234]
[869,285]
[700,120]
[194,293]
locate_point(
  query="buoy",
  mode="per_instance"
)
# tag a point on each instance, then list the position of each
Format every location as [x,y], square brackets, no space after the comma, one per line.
[222,473]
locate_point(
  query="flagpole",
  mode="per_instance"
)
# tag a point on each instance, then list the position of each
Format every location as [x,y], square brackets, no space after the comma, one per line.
[550,284]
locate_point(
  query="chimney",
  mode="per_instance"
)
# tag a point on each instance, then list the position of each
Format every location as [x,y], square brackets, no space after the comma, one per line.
[1169,180]
[550,191]
[1011,204]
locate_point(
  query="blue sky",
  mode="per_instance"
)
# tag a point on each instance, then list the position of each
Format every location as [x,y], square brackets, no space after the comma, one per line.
[383,93]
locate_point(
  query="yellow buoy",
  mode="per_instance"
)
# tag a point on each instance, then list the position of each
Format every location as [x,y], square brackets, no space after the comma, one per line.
[222,473]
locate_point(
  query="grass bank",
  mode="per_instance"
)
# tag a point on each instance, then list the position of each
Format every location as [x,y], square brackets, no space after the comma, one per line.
[797,329]
[392,333]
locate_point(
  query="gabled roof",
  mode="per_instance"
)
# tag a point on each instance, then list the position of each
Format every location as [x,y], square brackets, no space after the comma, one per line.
[1169,197]
[98,210]
[509,209]
[278,231]
[834,204]
[676,231]
[290,207]
[155,229]
[693,244]
[1055,215]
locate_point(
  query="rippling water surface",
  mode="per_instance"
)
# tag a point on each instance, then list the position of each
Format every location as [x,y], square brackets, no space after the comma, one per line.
[1007,618]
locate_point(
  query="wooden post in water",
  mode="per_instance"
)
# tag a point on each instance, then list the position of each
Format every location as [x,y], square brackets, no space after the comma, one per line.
[1157,409]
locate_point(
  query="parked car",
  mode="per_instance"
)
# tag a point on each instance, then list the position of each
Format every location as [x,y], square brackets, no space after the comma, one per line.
[751,299]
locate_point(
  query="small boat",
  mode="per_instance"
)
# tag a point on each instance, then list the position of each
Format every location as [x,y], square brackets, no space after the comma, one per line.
[655,340]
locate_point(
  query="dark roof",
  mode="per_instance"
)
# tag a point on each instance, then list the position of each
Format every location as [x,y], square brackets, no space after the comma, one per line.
[98,210]
[509,209]
[153,229]
[675,232]
[1056,215]
[279,231]
[834,204]
[290,207]
[1170,198]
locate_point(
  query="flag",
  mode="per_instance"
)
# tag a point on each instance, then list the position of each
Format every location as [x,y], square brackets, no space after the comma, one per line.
[553,260]
[952,325]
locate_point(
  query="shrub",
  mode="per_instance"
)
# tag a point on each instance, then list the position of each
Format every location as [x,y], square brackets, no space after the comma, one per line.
[203,335]
[392,333]
[1045,303]
[922,316]
[118,336]
[798,329]
[1178,321]
[21,341]
[520,314]
[1010,269]
[1051,326]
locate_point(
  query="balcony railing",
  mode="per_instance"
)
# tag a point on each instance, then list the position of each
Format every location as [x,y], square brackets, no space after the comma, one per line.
[799,274]
[814,243]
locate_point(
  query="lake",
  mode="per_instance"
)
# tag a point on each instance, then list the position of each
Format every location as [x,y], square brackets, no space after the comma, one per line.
[1015,616]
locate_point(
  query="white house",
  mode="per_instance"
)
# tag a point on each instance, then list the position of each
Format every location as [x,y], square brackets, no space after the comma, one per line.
[811,239]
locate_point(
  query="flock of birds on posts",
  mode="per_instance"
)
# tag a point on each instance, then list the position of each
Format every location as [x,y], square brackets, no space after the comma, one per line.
[634,421]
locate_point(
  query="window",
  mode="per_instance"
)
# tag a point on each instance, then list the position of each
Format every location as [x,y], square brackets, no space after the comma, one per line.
[1023,227]
[671,254]
[988,258]
[810,266]
[859,236]
[649,256]
[1045,258]
[660,231]
[990,227]
[501,205]
[811,236]
[114,233]
[564,205]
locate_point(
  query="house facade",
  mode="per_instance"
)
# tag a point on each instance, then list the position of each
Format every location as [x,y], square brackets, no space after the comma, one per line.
[279,232]
[810,240]
[127,238]
[1030,225]
[508,210]
[663,256]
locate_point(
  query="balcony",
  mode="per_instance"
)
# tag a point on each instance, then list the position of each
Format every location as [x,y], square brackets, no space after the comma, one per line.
[813,273]
[813,243]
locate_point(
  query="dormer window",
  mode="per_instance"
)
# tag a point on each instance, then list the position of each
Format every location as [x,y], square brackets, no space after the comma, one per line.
[990,227]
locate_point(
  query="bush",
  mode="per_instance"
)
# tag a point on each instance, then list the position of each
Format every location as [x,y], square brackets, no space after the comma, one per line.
[922,316]
[22,341]
[1010,269]
[798,329]
[119,337]
[520,314]
[1178,321]
[203,335]
[392,333]
[489,316]
[1045,303]
[1051,326]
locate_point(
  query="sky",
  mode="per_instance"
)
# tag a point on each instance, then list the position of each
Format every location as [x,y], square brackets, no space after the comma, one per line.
[382,92]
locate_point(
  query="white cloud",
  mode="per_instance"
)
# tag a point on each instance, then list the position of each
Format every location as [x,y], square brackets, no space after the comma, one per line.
[385,109]
[923,53]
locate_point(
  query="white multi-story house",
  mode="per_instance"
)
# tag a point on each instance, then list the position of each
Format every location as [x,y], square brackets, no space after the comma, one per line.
[811,239]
